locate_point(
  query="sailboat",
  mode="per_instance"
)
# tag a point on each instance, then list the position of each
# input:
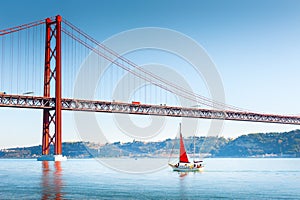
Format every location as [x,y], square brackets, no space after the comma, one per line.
[184,164]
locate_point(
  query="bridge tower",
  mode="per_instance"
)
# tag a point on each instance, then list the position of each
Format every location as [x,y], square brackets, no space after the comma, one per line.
[52,117]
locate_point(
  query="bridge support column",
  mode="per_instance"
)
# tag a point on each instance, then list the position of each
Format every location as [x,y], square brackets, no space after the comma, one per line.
[52,119]
[58,118]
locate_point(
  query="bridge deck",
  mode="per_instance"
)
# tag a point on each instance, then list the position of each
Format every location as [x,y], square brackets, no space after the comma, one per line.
[35,102]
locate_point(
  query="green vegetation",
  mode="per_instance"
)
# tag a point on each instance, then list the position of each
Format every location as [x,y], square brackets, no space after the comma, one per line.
[269,144]
[252,145]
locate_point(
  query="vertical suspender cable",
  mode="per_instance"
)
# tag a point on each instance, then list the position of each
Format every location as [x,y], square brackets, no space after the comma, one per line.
[17,63]
[34,59]
[12,62]
[2,63]
[28,60]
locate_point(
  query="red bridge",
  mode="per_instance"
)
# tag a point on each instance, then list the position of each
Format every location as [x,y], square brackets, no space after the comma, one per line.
[16,51]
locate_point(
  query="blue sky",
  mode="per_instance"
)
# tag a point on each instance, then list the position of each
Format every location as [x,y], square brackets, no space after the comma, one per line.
[254,44]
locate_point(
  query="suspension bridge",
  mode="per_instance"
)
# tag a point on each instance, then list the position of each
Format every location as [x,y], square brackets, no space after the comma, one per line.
[35,55]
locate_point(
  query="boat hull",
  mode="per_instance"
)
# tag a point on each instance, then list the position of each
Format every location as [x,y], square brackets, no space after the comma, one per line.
[186,169]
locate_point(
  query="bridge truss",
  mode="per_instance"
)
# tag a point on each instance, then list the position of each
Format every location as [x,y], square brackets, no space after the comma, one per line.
[20,101]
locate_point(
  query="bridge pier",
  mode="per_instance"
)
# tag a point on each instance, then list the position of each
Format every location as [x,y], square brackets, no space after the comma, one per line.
[52,158]
[52,118]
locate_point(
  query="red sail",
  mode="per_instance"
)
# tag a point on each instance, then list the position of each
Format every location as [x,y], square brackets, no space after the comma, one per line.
[183,156]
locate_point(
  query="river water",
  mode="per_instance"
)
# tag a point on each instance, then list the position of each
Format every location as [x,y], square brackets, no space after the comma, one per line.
[88,179]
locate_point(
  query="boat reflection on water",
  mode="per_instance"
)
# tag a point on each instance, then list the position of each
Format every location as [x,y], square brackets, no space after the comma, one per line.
[183,174]
[183,181]
[51,180]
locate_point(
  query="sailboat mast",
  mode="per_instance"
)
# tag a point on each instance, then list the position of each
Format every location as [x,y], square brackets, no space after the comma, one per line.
[182,155]
[180,128]
[194,147]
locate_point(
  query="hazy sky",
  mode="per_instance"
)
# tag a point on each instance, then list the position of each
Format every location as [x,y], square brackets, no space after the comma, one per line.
[255,46]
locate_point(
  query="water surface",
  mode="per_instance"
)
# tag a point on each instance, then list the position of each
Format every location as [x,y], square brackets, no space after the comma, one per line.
[88,179]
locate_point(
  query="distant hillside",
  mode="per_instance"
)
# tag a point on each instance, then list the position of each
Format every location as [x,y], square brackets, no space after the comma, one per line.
[160,149]
[263,144]
[251,145]
[70,149]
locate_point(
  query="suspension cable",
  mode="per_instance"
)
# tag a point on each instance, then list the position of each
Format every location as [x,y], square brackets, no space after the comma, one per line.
[174,86]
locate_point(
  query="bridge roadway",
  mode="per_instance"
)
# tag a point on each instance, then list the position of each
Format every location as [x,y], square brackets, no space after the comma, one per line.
[36,102]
